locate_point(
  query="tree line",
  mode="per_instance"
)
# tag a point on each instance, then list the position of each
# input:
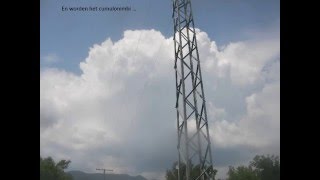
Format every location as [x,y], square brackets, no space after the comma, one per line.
[260,168]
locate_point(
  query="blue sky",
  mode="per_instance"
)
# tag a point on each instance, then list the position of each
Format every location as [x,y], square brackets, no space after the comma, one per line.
[111,103]
[69,35]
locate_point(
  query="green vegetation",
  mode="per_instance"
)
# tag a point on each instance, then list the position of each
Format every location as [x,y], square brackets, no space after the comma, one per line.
[242,173]
[49,170]
[261,168]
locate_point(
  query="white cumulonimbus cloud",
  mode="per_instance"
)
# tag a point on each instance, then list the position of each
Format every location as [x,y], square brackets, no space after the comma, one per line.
[119,112]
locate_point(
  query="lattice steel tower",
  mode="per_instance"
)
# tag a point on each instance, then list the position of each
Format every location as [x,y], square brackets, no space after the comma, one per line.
[194,147]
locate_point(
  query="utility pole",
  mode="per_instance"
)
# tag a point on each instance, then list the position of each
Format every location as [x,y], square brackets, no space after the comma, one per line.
[104,172]
[194,146]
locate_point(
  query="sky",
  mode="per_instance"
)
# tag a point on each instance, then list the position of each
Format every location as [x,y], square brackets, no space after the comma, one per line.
[107,87]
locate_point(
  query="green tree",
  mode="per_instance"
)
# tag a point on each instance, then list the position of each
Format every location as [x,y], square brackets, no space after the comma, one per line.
[260,168]
[267,167]
[242,173]
[49,170]
[172,174]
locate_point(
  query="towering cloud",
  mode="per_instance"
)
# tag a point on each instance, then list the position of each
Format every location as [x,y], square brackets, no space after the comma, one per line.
[119,112]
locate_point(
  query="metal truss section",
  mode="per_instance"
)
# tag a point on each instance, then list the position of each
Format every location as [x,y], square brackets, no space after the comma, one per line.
[194,147]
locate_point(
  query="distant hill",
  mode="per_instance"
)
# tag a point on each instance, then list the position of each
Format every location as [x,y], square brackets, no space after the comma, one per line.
[79,175]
